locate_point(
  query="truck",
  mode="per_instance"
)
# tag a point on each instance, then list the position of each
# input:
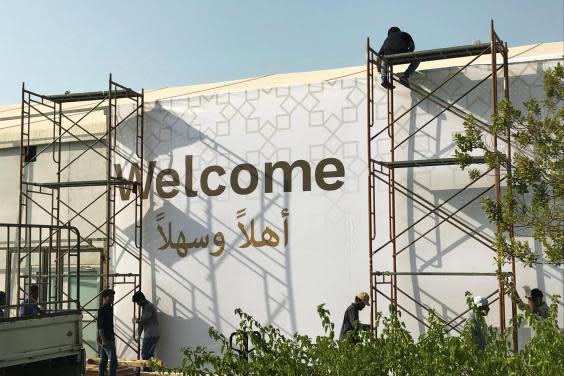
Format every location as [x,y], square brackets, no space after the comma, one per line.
[45,345]
[40,311]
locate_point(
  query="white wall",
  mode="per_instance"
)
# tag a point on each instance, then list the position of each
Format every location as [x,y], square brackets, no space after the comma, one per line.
[325,258]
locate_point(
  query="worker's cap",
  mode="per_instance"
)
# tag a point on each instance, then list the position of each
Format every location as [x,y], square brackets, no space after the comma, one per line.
[480,302]
[138,296]
[536,293]
[364,297]
[107,292]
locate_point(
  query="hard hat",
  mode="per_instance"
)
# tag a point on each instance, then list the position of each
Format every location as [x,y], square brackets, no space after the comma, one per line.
[364,297]
[480,301]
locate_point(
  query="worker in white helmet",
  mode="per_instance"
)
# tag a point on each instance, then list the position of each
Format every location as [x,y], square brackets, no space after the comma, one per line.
[477,323]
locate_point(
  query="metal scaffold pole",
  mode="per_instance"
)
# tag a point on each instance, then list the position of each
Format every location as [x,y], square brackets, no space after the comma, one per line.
[369,107]
[383,172]
[97,233]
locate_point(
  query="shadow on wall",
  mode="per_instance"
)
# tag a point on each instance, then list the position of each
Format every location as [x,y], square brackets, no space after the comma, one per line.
[177,339]
[526,81]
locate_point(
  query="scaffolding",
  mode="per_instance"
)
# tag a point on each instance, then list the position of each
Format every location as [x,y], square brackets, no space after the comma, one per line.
[51,194]
[384,172]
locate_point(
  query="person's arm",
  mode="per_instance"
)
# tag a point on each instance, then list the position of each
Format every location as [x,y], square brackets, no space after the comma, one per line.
[352,316]
[139,328]
[381,51]
[472,327]
[378,64]
[100,324]
[411,44]
[101,335]
[517,299]
[141,322]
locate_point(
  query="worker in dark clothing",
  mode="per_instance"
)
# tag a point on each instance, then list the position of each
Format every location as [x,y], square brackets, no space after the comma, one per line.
[361,300]
[476,323]
[535,303]
[106,336]
[148,324]
[397,42]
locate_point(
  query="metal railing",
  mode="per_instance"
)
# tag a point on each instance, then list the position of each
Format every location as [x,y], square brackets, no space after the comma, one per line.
[45,256]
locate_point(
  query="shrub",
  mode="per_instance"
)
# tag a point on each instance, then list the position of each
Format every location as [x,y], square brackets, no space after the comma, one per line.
[393,352]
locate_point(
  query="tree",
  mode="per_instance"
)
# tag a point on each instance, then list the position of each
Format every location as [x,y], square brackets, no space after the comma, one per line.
[532,202]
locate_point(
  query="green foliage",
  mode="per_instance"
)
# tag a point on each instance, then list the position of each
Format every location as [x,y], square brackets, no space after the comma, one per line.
[533,203]
[393,352]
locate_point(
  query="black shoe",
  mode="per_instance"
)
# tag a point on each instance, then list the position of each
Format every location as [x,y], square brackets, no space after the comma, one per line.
[387,85]
[404,81]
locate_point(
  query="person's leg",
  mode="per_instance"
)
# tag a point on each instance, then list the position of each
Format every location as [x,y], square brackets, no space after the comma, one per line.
[384,72]
[103,361]
[144,348]
[152,347]
[384,76]
[113,358]
[148,349]
[145,352]
[410,69]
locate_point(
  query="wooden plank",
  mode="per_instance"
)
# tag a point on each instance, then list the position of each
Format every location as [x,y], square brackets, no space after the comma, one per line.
[438,54]
[126,362]
[92,370]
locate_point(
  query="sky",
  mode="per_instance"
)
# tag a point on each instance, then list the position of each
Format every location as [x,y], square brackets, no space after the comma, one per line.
[57,45]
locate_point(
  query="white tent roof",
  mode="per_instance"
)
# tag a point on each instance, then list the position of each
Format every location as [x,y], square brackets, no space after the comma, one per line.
[42,132]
